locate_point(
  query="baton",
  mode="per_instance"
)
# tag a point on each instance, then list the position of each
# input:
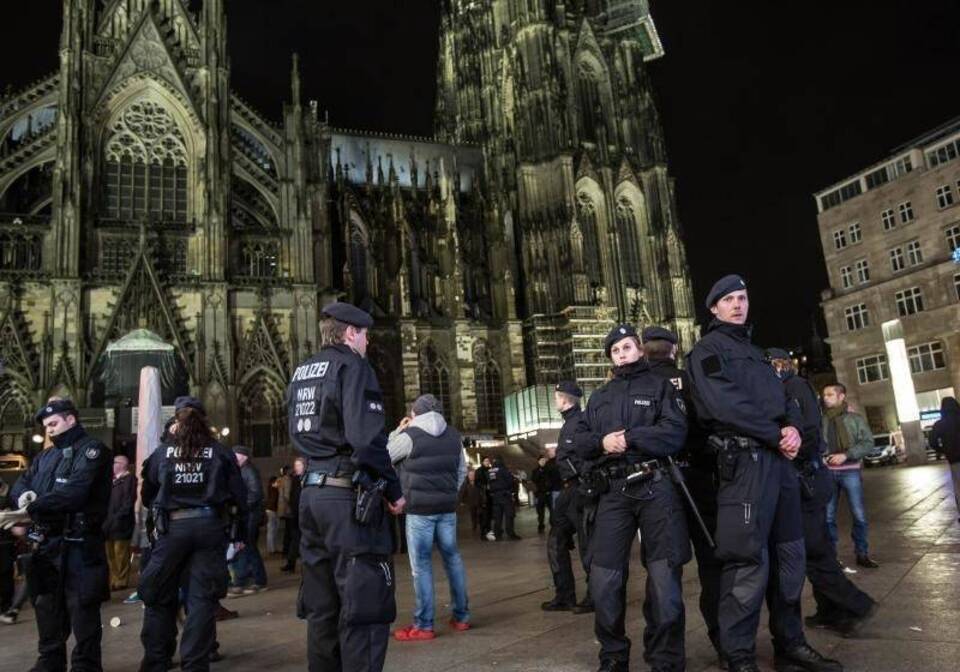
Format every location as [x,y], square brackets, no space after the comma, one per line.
[677,477]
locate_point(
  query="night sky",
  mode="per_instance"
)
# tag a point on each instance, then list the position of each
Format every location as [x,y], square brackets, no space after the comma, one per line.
[763,103]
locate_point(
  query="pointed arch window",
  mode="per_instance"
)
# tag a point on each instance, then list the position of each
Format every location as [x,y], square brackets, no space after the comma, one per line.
[435,376]
[358,261]
[588,100]
[629,242]
[488,390]
[587,217]
[145,166]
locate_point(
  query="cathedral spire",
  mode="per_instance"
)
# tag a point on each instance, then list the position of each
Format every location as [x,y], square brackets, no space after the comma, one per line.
[295,79]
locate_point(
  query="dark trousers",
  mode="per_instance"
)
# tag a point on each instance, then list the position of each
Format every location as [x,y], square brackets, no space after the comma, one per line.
[347,592]
[503,514]
[759,537]
[193,554]
[836,595]
[654,508]
[543,502]
[486,514]
[293,553]
[8,559]
[567,523]
[67,588]
[703,488]
[248,566]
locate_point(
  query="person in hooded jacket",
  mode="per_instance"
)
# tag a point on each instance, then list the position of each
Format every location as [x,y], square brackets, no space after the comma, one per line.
[428,454]
[945,438]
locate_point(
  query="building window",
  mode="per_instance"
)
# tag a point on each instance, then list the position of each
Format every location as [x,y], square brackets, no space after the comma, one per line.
[896,259]
[953,237]
[943,154]
[944,196]
[435,377]
[856,233]
[889,219]
[145,166]
[956,285]
[863,271]
[260,259]
[906,212]
[926,357]
[629,244]
[857,317]
[488,390]
[914,253]
[909,301]
[872,369]
[846,277]
[839,239]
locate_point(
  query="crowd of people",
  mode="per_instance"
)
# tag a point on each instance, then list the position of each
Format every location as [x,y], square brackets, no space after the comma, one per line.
[733,458]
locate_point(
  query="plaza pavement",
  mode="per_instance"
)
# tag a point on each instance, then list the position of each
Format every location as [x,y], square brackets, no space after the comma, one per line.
[914,534]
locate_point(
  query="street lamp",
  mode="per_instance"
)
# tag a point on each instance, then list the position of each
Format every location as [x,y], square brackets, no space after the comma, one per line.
[37,438]
[225,432]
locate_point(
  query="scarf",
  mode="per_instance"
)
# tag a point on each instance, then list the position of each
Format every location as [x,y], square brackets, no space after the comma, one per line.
[838,438]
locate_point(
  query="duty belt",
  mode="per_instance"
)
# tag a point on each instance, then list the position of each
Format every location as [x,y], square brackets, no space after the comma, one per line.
[320,479]
[734,442]
[616,471]
[197,512]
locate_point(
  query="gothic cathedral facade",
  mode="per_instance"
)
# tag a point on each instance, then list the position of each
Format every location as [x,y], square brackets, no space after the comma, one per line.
[140,195]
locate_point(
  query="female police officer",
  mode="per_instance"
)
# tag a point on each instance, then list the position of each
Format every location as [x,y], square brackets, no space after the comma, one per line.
[632,423]
[189,484]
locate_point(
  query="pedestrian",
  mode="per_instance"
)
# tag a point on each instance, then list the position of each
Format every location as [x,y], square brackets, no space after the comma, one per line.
[753,426]
[119,526]
[699,470]
[190,484]
[841,606]
[472,497]
[293,520]
[273,524]
[502,492]
[336,421]
[428,454]
[547,485]
[21,594]
[486,512]
[631,425]
[250,574]
[64,495]
[284,511]
[945,438]
[8,556]
[568,520]
[849,440]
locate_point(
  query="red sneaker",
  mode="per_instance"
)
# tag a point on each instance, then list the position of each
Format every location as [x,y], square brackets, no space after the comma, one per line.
[412,633]
[459,626]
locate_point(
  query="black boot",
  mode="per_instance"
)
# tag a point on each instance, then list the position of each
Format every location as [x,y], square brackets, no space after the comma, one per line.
[614,666]
[585,607]
[557,605]
[867,561]
[849,627]
[743,666]
[804,658]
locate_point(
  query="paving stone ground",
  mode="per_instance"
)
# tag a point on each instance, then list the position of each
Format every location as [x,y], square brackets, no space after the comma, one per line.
[914,534]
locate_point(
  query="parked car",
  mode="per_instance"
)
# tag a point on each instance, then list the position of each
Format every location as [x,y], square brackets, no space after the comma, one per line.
[884,452]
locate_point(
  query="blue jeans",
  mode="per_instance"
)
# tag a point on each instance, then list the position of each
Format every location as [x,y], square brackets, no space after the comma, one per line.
[249,563]
[422,532]
[851,482]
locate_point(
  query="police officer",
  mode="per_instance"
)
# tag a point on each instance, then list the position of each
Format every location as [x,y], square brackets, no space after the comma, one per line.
[501,486]
[699,469]
[840,604]
[66,492]
[193,488]
[631,424]
[753,425]
[336,421]
[567,511]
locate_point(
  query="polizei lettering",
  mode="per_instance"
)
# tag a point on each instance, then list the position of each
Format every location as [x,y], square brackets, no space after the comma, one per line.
[176,453]
[310,371]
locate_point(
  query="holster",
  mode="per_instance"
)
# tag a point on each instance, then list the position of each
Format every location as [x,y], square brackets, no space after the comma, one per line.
[369,505]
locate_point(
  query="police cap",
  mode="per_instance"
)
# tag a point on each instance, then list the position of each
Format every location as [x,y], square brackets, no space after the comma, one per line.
[777,353]
[618,333]
[659,334]
[725,285]
[241,450]
[188,402]
[569,387]
[348,314]
[56,407]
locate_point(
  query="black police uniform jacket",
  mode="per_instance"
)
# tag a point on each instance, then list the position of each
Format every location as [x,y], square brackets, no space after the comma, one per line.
[644,405]
[569,463]
[335,407]
[72,477]
[173,479]
[801,393]
[695,446]
[736,392]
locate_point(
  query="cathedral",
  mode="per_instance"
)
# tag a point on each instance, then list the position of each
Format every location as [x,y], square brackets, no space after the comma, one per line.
[148,214]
